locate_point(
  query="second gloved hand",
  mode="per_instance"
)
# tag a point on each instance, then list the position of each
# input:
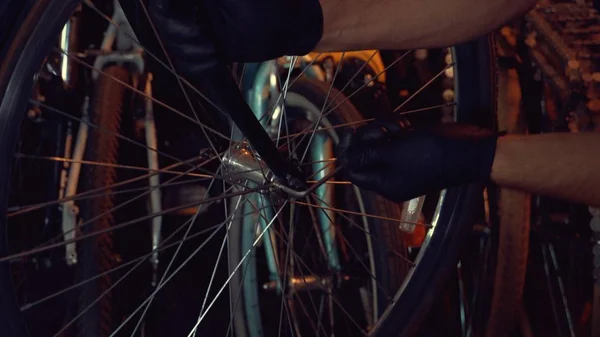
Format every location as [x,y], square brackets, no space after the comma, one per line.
[400,163]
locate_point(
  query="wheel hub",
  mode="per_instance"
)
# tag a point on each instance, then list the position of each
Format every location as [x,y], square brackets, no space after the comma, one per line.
[242,163]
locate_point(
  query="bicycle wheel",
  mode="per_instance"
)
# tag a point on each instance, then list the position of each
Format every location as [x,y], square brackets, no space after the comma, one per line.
[436,255]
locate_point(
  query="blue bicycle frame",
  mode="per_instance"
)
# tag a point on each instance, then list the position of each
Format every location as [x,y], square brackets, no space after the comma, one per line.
[258,79]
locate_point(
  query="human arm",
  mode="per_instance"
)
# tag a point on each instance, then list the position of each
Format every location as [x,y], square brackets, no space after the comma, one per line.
[401,164]
[405,24]
[561,165]
[258,30]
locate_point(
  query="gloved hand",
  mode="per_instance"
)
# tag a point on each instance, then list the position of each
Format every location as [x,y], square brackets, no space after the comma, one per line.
[400,163]
[200,33]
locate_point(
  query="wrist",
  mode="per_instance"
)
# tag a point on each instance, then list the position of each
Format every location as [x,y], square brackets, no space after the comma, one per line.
[469,156]
[488,150]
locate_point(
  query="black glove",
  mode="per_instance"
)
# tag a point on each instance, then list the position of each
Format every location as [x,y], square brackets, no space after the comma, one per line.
[200,33]
[400,163]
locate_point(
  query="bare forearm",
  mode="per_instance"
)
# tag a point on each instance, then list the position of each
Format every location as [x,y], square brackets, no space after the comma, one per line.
[561,165]
[405,24]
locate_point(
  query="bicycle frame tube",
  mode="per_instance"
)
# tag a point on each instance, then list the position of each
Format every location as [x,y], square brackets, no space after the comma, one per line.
[154,180]
[321,149]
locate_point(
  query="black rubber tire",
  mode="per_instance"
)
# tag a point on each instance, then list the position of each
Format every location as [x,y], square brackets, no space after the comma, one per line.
[511,262]
[390,271]
[22,56]
[96,254]
[513,217]
[476,97]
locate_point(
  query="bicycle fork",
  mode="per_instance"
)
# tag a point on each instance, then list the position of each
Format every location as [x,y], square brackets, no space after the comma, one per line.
[267,80]
[118,46]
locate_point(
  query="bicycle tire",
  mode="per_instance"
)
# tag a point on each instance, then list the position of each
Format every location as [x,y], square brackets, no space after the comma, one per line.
[511,262]
[17,89]
[26,52]
[389,270]
[96,253]
[476,97]
[513,217]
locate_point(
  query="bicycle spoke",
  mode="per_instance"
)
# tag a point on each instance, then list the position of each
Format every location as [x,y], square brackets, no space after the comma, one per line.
[112,286]
[82,195]
[283,303]
[173,260]
[162,247]
[101,129]
[361,214]
[246,268]
[290,243]
[327,166]
[167,279]
[321,116]
[364,65]
[125,276]
[279,107]
[237,267]
[297,77]
[317,329]
[120,166]
[125,138]
[353,223]
[345,86]
[321,285]
[283,115]
[357,255]
[269,116]
[139,92]
[129,201]
[303,278]
[241,81]
[170,264]
[158,288]
[122,225]
[120,192]
[153,56]
[367,120]
[297,256]
[310,64]
[408,112]
[368,82]
[172,67]
[345,99]
[449,65]
[218,258]
[320,327]
[226,214]
[368,233]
